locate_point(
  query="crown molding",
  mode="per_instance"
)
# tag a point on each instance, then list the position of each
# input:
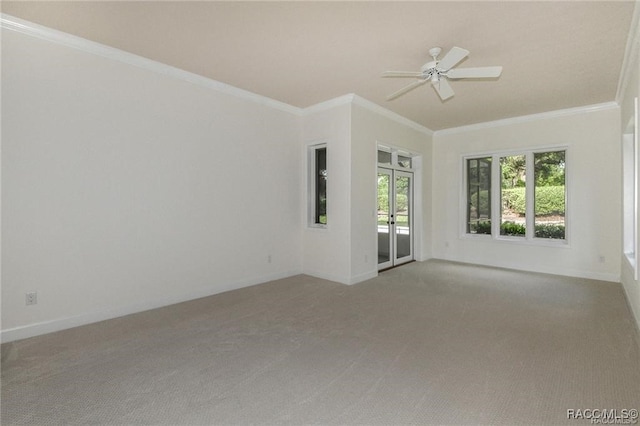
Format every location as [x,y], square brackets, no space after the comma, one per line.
[31,29]
[54,36]
[326,105]
[354,99]
[630,53]
[373,107]
[528,118]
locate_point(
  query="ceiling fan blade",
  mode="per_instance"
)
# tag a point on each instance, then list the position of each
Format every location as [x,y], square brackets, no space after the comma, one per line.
[482,72]
[401,74]
[406,89]
[443,88]
[455,55]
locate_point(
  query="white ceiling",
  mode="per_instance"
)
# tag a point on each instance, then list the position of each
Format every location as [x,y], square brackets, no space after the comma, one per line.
[555,54]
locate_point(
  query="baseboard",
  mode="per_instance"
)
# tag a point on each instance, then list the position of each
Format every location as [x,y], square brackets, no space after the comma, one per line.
[363,277]
[631,293]
[45,327]
[567,272]
[327,276]
[340,279]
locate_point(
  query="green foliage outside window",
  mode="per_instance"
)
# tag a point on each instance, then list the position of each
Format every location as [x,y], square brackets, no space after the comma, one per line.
[553,231]
[549,200]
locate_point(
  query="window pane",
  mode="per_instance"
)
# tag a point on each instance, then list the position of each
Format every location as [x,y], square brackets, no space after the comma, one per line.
[550,195]
[404,161]
[384,157]
[321,186]
[629,195]
[513,196]
[403,220]
[384,225]
[479,196]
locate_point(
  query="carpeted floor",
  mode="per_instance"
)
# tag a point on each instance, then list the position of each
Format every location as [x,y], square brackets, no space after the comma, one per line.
[428,343]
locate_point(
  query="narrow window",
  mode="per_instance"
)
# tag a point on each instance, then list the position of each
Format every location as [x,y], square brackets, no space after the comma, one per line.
[629,200]
[550,194]
[630,192]
[318,185]
[404,161]
[479,195]
[384,157]
[513,196]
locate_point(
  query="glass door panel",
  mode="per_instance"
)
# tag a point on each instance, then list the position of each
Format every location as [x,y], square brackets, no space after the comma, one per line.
[384,219]
[395,216]
[403,217]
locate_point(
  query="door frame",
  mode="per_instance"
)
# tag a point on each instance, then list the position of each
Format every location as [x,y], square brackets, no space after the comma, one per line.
[394,172]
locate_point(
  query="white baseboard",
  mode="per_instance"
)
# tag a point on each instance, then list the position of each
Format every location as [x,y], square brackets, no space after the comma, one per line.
[363,277]
[567,272]
[327,276]
[37,329]
[631,292]
[340,279]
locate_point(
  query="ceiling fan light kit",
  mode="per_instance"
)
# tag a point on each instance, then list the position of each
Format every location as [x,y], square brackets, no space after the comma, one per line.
[440,71]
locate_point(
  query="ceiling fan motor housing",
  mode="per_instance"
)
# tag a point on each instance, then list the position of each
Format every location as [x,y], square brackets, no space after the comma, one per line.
[429,68]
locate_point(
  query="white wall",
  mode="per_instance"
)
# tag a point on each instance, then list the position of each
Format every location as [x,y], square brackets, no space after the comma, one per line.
[124,189]
[327,250]
[369,128]
[630,91]
[352,127]
[593,185]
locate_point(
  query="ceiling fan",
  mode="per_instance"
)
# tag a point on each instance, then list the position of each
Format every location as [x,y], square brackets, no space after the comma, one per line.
[439,71]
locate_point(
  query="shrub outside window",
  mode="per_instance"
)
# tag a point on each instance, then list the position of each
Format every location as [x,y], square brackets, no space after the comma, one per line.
[550,194]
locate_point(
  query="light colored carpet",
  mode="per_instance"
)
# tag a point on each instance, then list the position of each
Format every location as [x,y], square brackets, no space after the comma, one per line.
[428,343]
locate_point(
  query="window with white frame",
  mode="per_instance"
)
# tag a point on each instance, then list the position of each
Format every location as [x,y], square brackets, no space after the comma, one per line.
[394,158]
[630,191]
[318,185]
[478,171]
[517,196]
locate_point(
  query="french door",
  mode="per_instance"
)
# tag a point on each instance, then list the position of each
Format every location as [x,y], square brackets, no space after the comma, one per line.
[395,217]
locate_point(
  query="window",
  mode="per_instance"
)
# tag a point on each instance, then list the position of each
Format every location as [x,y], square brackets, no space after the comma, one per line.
[550,194]
[392,157]
[404,161]
[479,196]
[384,157]
[318,185]
[530,199]
[513,195]
[630,191]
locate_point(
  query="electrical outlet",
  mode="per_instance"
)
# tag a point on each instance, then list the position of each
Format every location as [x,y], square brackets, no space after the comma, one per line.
[269,259]
[602,259]
[31,298]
